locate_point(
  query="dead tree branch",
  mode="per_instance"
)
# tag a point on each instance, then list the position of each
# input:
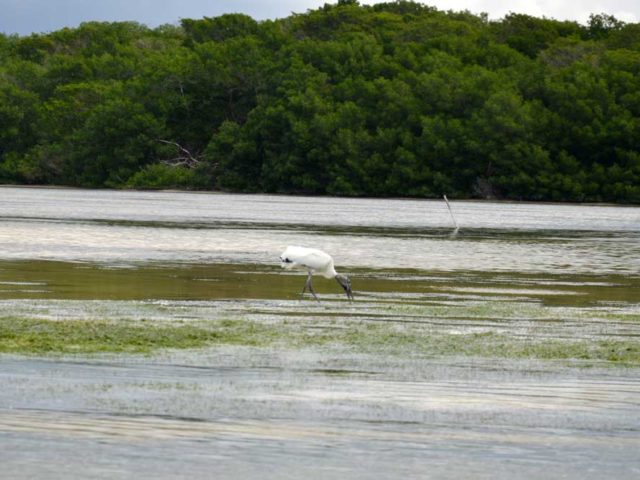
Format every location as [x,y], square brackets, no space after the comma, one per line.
[185,157]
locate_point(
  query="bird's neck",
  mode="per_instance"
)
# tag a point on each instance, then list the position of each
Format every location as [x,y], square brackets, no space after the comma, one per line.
[330,272]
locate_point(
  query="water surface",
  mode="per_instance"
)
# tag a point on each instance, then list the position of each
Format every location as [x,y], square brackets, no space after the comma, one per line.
[124,227]
[522,274]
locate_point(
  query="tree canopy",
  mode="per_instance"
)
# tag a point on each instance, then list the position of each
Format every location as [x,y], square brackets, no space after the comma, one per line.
[392,99]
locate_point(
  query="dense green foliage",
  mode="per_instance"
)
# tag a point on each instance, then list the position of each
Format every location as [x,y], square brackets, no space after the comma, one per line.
[392,99]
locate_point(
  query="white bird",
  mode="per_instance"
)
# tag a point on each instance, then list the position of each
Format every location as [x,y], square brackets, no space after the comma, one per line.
[314,261]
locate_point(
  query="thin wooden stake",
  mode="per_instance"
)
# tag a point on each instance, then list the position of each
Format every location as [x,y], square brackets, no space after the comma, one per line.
[455,223]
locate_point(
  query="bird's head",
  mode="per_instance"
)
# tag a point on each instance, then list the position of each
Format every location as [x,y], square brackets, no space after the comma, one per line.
[345,283]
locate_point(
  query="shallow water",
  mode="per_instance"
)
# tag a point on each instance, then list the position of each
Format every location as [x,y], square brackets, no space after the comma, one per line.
[528,273]
[125,227]
[238,413]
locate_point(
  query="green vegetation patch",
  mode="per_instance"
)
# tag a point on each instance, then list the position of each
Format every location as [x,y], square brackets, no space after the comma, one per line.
[36,336]
[393,340]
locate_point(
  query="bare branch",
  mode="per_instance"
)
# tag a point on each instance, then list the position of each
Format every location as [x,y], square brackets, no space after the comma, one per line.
[187,159]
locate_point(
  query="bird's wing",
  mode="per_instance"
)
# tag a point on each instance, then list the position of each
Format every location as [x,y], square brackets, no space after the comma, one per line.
[305,257]
[316,260]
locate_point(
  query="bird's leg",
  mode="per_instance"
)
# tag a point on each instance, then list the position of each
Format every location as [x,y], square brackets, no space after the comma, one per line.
[309,285]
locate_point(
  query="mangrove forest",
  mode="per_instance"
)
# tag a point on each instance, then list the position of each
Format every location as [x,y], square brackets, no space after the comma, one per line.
[391,99]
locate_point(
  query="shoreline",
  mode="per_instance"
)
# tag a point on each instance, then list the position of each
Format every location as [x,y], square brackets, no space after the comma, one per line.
[301,195]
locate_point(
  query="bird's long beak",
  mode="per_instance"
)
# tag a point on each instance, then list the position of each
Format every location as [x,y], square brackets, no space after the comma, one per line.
[345,283]
[349,293]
